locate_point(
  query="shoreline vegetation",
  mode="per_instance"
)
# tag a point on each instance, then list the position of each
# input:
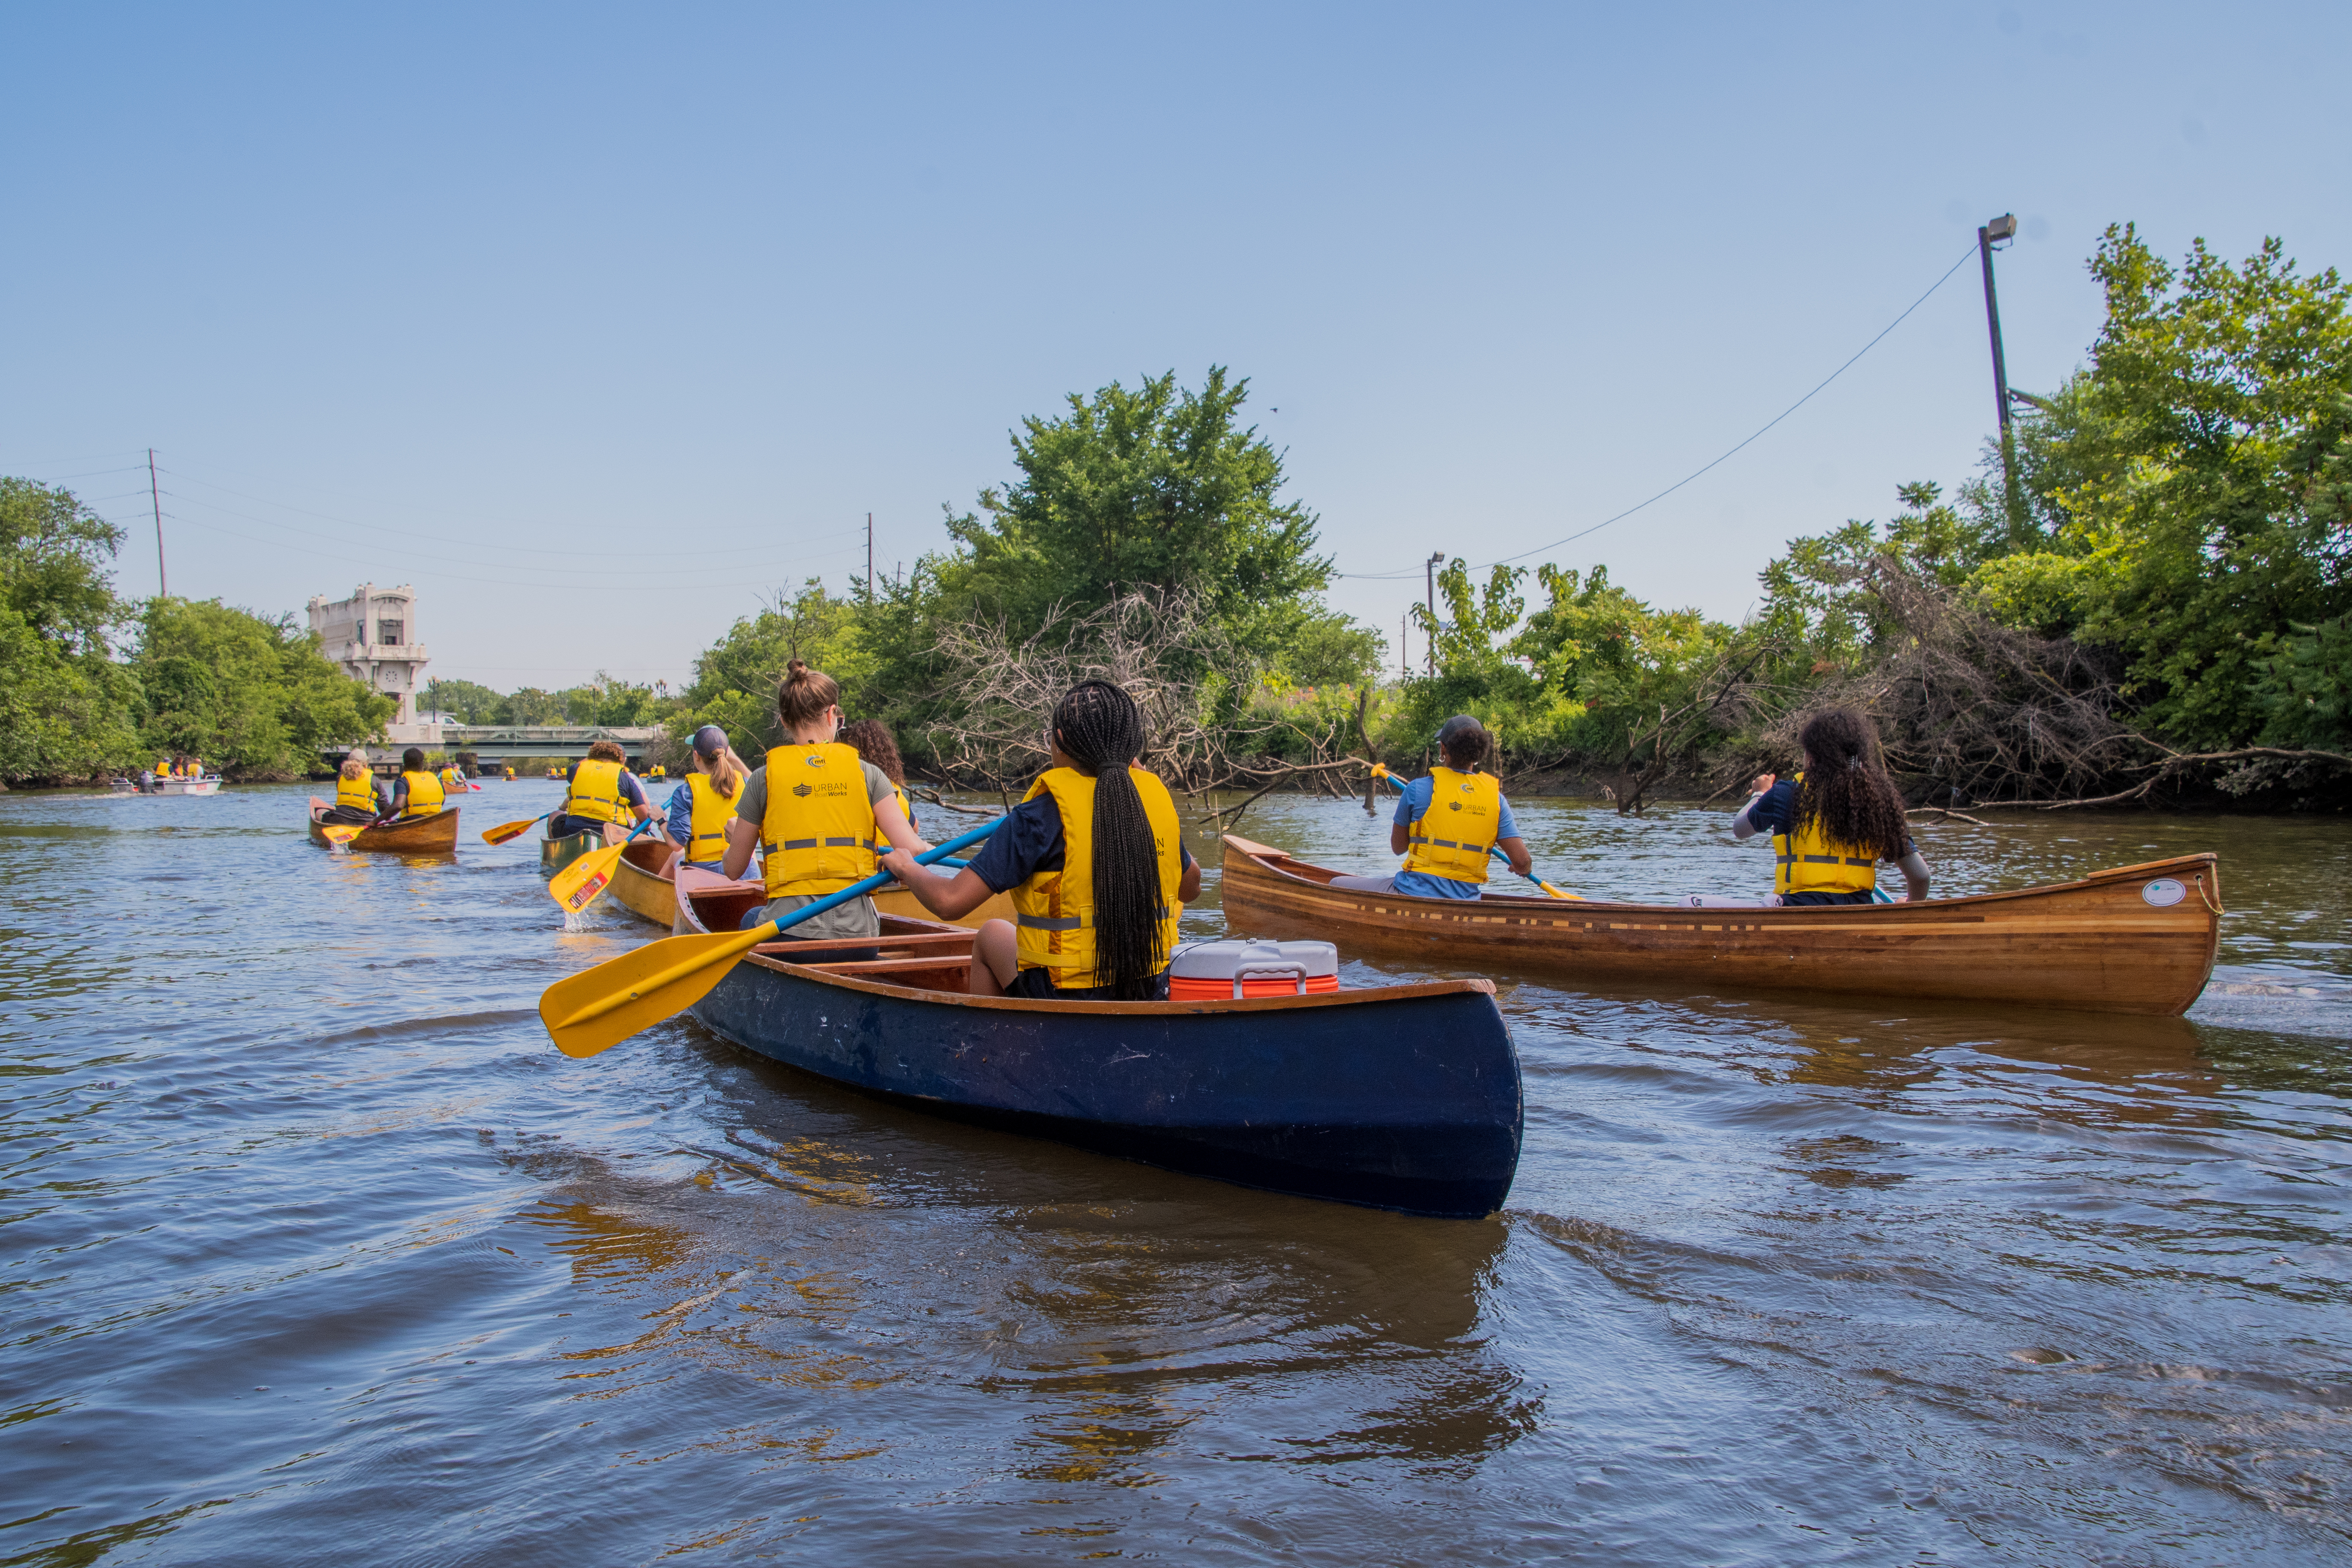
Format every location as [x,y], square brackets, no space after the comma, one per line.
[2140,597]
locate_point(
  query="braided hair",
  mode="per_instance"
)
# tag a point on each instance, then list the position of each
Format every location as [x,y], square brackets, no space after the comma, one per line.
[1101,730]
[1846,789]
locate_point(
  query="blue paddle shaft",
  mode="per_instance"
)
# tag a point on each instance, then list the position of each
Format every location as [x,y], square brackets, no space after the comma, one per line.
[881,879]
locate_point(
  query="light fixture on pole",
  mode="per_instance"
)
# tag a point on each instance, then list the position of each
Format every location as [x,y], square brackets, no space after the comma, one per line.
[2000,232]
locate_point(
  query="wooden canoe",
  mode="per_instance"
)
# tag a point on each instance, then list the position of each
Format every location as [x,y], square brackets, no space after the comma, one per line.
[433,835]
[2137,938]
[1403,1096]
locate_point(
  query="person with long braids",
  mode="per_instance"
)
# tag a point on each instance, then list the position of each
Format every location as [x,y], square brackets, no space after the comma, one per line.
[814,810]
[1095,859]
[1835,820]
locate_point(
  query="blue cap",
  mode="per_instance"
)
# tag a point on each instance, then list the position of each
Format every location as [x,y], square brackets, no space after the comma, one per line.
[711,740]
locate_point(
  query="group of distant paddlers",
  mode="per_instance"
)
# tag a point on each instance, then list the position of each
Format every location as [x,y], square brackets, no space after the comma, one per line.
[1092,858]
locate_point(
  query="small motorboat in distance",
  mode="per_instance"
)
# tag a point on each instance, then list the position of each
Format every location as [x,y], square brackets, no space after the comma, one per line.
[1398,1097]
[433,835]
[208,785]
[2137,938]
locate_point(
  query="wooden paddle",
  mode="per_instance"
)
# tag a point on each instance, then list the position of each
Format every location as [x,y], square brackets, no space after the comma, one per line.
[506,830]
[1495,850]
[598,1008]
[576,885]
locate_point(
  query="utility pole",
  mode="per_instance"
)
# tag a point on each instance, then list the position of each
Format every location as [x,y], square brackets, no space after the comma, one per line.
[1430,569]
[869,555]
[2002,230]
[155,494]
[1404,660]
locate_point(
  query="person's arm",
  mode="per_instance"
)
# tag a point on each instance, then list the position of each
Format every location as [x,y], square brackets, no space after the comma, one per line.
[1515,851]
[680,823]
[1401,825]
[744,828]
[1742,828]
[897,829]
[1914,875]
[633,790]
[1027,835]
[399,800]
[948,897]
[1188,886]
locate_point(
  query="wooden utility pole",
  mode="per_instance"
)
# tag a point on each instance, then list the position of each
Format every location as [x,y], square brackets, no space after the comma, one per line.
[155,494]
[869,555]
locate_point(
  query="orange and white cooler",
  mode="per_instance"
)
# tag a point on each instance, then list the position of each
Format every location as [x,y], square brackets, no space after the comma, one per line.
[1232,970]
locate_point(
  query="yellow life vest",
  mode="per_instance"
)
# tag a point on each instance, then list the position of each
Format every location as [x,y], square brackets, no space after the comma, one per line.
[595,792]
[904,809]
[450,779]
[358,793]
[424,796]
[1808,862]
[1451,839]
[162,768]
[818,833]
[1054,911]
[712,812]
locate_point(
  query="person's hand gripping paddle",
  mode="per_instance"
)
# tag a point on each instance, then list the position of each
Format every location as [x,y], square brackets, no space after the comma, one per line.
[600,1007]
[1495,850]
[576,885]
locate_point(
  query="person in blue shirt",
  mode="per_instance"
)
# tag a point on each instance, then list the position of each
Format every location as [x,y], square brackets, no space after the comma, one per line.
[1447,825]
[1836,821]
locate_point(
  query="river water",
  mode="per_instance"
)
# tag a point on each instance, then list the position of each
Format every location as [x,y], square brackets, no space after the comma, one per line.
[317,1251]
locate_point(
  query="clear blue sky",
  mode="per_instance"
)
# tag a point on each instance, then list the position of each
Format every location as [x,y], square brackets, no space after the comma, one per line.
[600,324]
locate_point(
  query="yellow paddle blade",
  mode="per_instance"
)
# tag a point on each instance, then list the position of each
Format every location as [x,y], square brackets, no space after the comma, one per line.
[339,835]
[600,1007]
[505,830]
[576,885]
[1558,892]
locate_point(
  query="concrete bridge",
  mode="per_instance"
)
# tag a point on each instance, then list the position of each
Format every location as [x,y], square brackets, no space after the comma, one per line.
[510,745]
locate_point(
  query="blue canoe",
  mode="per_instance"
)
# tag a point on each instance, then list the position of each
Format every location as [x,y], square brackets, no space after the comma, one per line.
[1398,1097]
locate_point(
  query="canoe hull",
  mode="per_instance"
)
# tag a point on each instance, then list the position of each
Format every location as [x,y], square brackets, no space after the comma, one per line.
[433,835]
[554,853]
[1394,1102]
[640,885]
[2104,943]
[1406,1098]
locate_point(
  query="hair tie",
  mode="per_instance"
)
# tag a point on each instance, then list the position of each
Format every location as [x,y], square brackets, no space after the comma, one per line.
[1855,761]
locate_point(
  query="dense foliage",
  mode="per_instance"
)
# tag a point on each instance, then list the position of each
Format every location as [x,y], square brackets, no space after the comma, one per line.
[251,695]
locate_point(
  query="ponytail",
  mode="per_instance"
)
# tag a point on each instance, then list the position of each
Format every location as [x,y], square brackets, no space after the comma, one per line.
[1101,730]
[725,770]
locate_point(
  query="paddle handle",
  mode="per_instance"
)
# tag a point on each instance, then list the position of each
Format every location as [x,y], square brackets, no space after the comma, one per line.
[881,879]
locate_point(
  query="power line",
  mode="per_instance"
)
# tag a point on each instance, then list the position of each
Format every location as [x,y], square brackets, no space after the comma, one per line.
[1393,576]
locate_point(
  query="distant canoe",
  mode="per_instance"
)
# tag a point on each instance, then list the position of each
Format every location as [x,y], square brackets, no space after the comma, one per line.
[210,784]
[1403,1097]
[2137,938]
[554,853]
[433,835]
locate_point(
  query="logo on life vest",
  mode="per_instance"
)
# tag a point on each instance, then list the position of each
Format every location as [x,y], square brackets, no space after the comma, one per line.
[1452,805]
[802,790]
[816,760]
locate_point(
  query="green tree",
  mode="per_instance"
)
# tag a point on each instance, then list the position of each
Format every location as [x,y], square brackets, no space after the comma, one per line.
[1609,662]
[471,702]
[1155,488]
[248,693]
[66,708]
[735,679]
[2186,491]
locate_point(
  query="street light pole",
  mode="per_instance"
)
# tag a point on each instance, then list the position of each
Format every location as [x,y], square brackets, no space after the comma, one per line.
[2002,229]
[1430,569]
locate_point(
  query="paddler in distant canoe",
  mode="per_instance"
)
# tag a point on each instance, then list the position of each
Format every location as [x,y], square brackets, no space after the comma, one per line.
[703,804]
[816,809]
[1448,825]
[359,799]
[601,794]
[1093,857]
[417,793]
[1835,820]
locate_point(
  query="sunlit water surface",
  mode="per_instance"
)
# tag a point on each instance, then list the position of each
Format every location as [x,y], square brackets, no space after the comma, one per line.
[318,1251]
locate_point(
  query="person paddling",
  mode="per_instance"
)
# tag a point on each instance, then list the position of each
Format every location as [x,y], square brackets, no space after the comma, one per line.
[359,799]
[1833,823]
[1447,825]
[416,793]
[814,810]
[701,807]
[877,745]
[600,794]
[1095,859]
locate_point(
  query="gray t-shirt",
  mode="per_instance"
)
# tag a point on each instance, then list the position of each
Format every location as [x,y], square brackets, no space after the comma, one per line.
[856,917]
